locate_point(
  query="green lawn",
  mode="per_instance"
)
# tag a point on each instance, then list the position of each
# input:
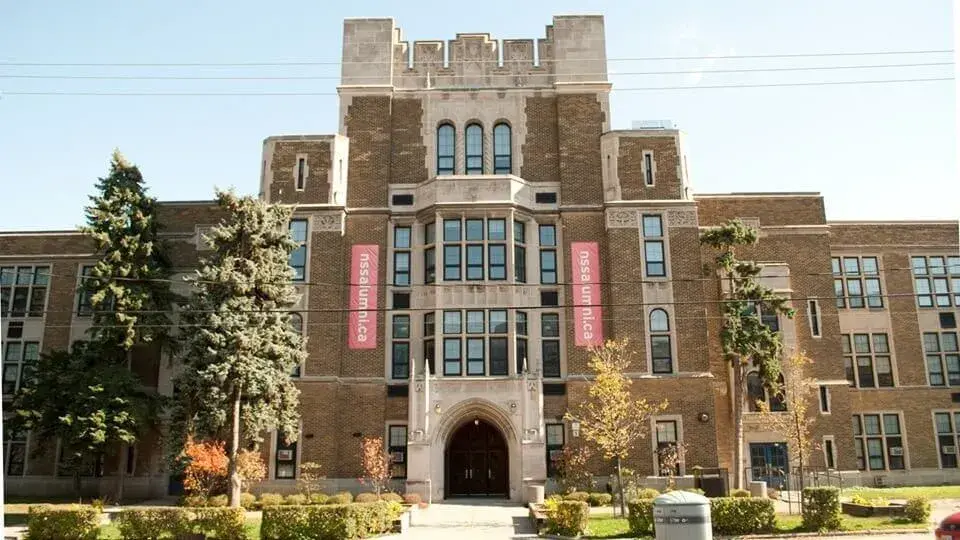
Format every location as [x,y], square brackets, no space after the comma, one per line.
[612,527]
[931,492]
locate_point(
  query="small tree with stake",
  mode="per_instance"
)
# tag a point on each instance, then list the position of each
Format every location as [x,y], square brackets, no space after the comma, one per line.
[375,463]
[241,347]
[747,342]
[610,418]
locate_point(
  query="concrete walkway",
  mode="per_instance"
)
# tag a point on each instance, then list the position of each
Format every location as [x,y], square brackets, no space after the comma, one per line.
[467,519]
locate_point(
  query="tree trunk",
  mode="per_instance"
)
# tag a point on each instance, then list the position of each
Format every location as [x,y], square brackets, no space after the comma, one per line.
[77,491]
[234,475]
[799,437]
[623,503]
[738,470]
[121,473]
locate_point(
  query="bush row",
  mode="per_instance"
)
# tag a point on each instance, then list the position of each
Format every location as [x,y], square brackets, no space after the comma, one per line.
[250,501]
[223,523]
[566,517]
[46,522]
[729,515]
[329,522]
[593,499]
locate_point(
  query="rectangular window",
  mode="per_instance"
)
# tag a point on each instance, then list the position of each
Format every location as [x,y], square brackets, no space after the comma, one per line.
[298,257]
[824,399]
[931,283]
[860,277]
[555,441]
[475,262]
[401,256]
[519,252]
[301,173]
[23,290]
[661,354]
[648,168]
[451,263]
[17,355]
[878,441]
[397,448]
[14,452]
[868,364]
[401,347]
[429,252]
[829,454]
[948,430]
[548,254]
[666,433]
[476,361]
[550,344]
[653,253]
[285,465]
[497,257]
[84,307]
[813,312]
[498,356]
[942,358]
[429,349]
[451,356]
[521,336]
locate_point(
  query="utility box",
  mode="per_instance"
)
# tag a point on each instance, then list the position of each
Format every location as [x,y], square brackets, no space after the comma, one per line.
[682,515]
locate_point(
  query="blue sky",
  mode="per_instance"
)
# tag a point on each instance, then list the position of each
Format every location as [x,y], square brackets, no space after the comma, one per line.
[874,151]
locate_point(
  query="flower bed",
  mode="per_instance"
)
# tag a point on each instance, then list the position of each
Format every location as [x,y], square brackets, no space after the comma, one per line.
[868,510]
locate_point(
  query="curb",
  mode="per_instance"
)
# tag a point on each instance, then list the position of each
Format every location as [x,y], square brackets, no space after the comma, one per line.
[868,532]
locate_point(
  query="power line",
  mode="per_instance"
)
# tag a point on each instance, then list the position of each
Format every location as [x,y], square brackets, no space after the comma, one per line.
[336,77]
[316,94]
[498,62]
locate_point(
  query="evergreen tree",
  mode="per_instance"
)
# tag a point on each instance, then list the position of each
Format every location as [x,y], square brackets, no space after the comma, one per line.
[747,342]
[241,348]
[90,405]
[129,285]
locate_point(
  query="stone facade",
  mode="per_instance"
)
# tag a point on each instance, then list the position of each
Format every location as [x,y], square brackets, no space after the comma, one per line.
[499,306]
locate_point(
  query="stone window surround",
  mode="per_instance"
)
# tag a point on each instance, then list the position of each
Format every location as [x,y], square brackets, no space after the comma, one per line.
[416,311]
[815,320]
[296,171]
[272,463]
[891,346]
[26,440]
[34,265]
[862,277]
[20,362]
[643,168]
[832,449]
[952,276]
[386,442]
[678,418]
[883,435]
[941,354]
[672,332]
[664,239]
[955,425]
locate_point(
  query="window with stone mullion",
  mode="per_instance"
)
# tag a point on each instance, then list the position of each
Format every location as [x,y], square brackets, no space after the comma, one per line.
[942,358]
[936,280]
[550,344]
[948,430]
[400,347]
[23,290]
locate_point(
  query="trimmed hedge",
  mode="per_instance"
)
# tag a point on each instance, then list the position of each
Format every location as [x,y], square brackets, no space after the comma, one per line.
[367,498]
[640,516]
[45,522]
[271,499]
[821,508]
[330,522]
[344,497]
[739,515]
[224,523]
[391,497]
[296,499]
[579,496]
[741,493]
[647,493]
[567,518]
[600,499]
[218,501]
[319,498]
[248,500]
[917,509]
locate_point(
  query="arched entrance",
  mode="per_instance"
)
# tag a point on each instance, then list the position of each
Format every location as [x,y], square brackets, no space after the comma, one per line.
[476,461]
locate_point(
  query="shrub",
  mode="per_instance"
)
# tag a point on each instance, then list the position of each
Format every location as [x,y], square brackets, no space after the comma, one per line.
[193,501]
[773,494]
[868,501]
[412,498]
[698,491]
[74,523]
[741,493]
[343,497]
[647,493]
[600,499]
[391,497]
[356,520]
[248,500]
[319,498]
[821,508]
[251,468]
[222,523]
[640,517]
[271,499]
[567,518]
[917,509]
[296,499]
[218,501]
[154,523]
[578,496]
[367,498]
[310,479]
[205,472]
[737,515]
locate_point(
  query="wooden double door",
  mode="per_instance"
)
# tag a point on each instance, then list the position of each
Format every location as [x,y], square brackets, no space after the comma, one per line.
[477,462]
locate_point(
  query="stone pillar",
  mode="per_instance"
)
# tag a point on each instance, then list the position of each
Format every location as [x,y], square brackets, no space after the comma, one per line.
[533,449]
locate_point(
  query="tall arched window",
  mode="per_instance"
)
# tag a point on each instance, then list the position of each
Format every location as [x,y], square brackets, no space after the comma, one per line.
[661,353]
[446,149]
[474,149]
[502,158]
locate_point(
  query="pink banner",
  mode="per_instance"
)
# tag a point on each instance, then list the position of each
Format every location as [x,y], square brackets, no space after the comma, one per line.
[587,313]
[362,331]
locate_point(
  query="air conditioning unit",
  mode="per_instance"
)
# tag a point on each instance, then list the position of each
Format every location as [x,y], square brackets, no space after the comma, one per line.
[284,455]
[949,449]
[396,457]
[896,451]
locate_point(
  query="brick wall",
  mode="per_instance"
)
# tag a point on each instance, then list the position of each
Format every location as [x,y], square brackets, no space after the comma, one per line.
[408,154]
[368,125]
[283,168]
[579,125]
[667,184]
[540,148]
[779,210]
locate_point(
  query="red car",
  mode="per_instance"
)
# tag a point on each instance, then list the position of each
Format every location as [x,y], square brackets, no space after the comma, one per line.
[949,528]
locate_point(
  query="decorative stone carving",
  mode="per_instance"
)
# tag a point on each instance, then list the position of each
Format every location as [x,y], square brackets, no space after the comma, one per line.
[419,387]
[682,218]
[328,222]
[622,219]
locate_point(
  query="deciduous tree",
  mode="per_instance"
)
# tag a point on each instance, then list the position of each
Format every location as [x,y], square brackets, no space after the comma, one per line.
[375,463]
[747,342]
[610,418]
[241,348]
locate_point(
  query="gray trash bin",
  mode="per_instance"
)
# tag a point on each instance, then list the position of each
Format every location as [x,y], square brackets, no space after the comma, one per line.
[682,515]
